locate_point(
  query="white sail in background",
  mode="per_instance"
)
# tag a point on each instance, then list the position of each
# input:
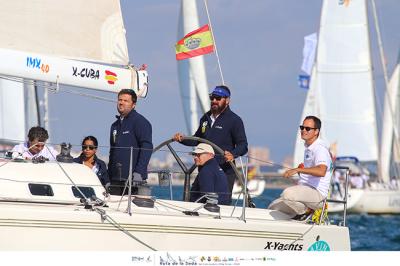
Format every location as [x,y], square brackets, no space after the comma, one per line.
[311,107]
[390,120]
[72,42]
[343,80]
[12,111]
[191,72]
[18,111]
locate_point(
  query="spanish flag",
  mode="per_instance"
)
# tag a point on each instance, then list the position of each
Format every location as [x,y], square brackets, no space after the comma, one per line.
[197,42]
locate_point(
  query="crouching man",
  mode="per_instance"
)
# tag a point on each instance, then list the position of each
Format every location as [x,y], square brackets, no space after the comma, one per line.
[211,178]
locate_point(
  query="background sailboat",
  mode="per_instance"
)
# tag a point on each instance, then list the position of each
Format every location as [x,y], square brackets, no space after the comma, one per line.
[342,94]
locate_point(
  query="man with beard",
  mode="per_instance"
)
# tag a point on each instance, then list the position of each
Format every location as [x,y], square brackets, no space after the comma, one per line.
[224,128]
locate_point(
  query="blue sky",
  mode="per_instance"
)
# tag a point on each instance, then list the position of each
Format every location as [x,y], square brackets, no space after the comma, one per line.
[260,46]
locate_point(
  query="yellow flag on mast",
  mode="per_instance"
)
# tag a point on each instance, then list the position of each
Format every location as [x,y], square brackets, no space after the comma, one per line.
[195,43]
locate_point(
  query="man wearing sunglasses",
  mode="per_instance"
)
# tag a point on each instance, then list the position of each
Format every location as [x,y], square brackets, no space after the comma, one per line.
[130,130]
[224,128]
[36,146]
[210,178]
[314,175]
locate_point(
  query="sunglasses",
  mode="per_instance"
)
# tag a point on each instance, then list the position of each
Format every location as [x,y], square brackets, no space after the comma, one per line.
[197,154]
[215,97]
[90,147]
[307,128]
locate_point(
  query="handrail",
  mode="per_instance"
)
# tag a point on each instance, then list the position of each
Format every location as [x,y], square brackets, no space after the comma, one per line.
[346,188]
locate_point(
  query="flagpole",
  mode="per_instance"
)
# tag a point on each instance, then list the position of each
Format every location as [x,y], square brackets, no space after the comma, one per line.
[215,43]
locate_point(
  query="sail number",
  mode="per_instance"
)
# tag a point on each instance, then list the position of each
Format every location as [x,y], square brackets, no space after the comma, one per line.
[35,62]
[45,68]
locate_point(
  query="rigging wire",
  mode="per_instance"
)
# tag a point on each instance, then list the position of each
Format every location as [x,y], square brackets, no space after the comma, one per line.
[215,42]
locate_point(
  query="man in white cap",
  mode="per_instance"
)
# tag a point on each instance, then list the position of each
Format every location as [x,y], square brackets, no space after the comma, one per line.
[211,178]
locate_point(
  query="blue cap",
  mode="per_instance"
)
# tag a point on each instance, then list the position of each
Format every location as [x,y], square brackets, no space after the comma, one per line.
[222,91]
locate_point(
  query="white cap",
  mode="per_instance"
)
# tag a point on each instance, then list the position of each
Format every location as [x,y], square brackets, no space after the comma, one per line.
[204,148]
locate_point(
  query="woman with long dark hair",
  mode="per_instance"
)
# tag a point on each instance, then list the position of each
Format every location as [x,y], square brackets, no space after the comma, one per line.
[88,157]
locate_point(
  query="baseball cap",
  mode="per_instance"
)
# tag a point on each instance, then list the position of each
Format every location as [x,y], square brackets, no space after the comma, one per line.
[203,148]
[222,91]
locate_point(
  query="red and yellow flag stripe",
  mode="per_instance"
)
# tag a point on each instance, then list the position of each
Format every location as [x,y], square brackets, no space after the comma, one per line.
[197,42]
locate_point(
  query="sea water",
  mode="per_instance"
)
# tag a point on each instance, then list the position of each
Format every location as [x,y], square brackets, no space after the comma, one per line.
[367,232]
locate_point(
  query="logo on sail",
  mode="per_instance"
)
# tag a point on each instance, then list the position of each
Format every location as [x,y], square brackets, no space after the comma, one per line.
[35,62]
[111,77]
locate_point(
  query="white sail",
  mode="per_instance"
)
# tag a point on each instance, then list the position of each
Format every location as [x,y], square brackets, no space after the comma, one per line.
[12,111]
[55,43]
[191,72]
[390,121]
[18,111]
[311,107]
[343,80]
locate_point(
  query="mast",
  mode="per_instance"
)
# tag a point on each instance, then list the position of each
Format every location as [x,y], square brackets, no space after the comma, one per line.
[191,72]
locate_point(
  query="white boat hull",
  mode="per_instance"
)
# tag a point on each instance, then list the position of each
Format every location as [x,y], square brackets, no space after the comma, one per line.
[60,222]
[47,227]
[374,201]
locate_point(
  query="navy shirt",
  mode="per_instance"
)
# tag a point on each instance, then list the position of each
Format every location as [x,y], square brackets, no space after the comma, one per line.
[134,130]
[102,173]
[211,178]
[227,132]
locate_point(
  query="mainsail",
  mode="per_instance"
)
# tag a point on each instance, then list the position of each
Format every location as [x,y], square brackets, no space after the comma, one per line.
[74,42]
[191,72]
[391,121]
[342,82]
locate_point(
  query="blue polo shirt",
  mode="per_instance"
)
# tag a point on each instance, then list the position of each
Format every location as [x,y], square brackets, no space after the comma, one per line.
[211,178]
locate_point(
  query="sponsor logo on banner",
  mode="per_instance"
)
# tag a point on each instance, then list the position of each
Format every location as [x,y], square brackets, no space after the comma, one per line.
[85,72]
[36,63]
[111,77]
[276,245]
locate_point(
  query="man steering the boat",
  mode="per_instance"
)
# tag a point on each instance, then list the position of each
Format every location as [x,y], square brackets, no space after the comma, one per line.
[210,178]
[130,136]
[224,128]
[35,147]
[314,175]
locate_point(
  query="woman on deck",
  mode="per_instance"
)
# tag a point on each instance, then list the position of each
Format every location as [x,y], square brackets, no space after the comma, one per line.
[88,157]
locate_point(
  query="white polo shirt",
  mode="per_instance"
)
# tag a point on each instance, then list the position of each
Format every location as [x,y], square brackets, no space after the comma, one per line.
[315,154]
[47,152]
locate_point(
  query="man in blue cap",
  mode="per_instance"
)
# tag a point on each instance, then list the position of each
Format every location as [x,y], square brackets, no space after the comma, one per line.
[224,128]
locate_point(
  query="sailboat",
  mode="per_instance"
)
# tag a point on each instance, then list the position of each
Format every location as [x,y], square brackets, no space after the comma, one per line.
[58,205]
[341,94]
